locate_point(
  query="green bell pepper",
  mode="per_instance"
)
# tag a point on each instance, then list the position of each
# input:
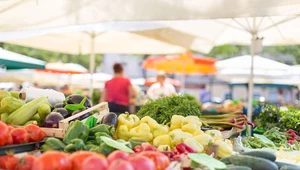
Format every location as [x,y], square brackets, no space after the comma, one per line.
[75,145]
[76,130]
[53,144]
[105,149]
[103,128]
[98,136]
[127,143]
[136,142]
[90,146]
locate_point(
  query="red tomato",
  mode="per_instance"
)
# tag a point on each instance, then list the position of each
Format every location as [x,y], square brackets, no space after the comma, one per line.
[94,162]
[52,160]
[35,133]
[3,133]
[9,140]
[19,135]
[120,164]
[140,162]
[117,155]
[3,160]
[77,158]
[10,127]
[26,163]
[160,160]
[11,163]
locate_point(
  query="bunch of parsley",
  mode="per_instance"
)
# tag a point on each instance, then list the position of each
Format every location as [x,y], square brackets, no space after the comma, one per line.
[163,109]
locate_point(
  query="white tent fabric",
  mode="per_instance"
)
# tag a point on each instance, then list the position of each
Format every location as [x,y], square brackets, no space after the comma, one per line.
[263,68]
[36,14]
[107,42]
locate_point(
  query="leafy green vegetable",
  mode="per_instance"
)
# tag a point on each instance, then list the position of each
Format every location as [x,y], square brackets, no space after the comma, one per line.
[163,109]
[279,138]
[269,116]
[205,160]
[117,145]
[290,120]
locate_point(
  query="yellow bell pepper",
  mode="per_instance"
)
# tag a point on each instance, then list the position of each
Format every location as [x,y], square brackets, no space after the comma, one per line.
[159,130]
[176,122]
[190,128]
[216,134]
[191,142]
[224,149]
[177,136]
[198,132]
[163,148]
[204,139]
[141,132]
[191,120]
[149,121]
[136,120]
[162,140]
[122,132]
[126,119]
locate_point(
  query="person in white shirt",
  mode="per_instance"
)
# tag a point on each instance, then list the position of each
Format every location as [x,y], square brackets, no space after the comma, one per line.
[161,88]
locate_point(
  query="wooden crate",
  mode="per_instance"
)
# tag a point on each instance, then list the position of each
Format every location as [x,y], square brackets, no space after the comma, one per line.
[63,124]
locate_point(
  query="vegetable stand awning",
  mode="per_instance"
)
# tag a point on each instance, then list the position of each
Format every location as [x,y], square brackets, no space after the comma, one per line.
[65,68]
[36,14]
[182,64]
[11,60]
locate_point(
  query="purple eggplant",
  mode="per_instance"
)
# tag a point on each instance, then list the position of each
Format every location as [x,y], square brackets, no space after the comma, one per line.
[83,116]
[52,120]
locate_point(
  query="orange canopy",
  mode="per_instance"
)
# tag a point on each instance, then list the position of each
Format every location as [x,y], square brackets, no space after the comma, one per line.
[184,63]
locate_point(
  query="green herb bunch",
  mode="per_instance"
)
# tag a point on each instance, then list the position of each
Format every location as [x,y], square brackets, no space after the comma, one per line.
[163,109]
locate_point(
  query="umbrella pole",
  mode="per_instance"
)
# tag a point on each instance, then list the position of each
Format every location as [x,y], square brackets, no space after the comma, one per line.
[250,86]
[92,63]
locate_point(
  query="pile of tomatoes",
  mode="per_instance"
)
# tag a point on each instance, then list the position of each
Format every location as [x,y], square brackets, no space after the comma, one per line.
[10,135]
[85,160]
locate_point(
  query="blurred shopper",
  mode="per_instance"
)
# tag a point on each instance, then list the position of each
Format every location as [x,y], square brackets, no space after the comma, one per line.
[204,95]
[280,98]
[161,88]
[118,91]
[65,90]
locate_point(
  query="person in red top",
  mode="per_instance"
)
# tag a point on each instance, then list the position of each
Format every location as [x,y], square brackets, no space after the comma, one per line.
[118,91]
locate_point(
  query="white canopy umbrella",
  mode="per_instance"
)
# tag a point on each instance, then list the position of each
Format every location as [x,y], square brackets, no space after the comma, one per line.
[36,14]
[240,67]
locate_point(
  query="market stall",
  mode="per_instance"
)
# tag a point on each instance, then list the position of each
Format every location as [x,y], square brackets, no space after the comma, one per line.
[167,133]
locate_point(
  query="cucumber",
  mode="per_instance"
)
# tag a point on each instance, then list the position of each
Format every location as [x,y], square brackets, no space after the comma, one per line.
[238,168]
[10,104]
[290,168]
[43,111]
[261,154]
[225,160]
[282,164]
[253,162]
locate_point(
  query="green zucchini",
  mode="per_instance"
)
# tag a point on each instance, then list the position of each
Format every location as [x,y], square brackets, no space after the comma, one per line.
[282,164]
[225,160]
[290,168]
[27,111]
[238,168]
[253,162]
[10,104]
[261,154]
[4,117]
[15,94]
